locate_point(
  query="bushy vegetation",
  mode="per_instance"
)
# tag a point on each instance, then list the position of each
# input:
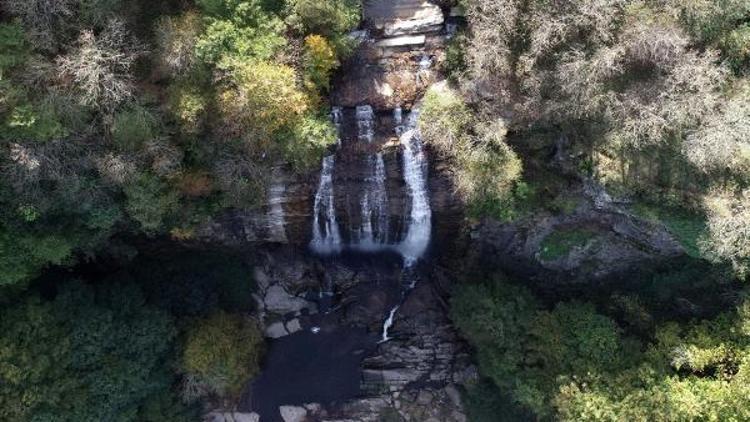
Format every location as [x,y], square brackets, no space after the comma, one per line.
[487,169]
[573,363]
[648,99]
[90,354]
[221,353]
[649,96]
[123,120]
[143,118]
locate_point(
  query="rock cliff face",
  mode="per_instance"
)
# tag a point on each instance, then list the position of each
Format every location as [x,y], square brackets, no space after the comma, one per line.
[401,48]
[616,243]
[358,331]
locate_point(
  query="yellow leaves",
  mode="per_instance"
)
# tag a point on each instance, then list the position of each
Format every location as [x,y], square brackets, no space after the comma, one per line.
[320,61]
[264,99]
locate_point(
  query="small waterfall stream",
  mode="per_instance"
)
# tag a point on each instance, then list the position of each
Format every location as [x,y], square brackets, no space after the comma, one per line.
[374,206]
[326,239]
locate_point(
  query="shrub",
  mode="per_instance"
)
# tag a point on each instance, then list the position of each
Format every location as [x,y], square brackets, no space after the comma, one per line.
[195,184]
[325,17]
[86,355]
[736,46]
[44,20]
[133,127]
[149,202]
[721,144]
[100,66]
[455,56]
[486,178]
[308,141]
[242,180]
[24,254]
[223,352]
[13,47]
[97,13]
[528,351]
[176,38]
[728,226]
[264,98]
[444,120]
[320,61]
[239,31]
[38,122]
[487,169]
[188,104]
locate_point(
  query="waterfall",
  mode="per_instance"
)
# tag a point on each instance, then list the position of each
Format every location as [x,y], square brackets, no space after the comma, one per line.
[373,232]
[327,240]
[398,118]
[415,174]
[337,116]
[374,207]
[381,198]
[276,218]
[411,275]
[365,123]
[387,324]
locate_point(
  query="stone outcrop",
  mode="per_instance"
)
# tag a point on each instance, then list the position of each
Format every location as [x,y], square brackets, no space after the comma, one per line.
[219,416]
[618,242]
[282,218]
[428,404]
[398,60]
[399,17]
[413,375]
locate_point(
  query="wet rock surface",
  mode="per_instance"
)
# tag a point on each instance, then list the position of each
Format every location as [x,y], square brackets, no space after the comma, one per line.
[336,359]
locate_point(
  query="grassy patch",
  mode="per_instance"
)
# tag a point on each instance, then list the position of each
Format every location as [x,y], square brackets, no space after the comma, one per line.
[686,226]
[559,243]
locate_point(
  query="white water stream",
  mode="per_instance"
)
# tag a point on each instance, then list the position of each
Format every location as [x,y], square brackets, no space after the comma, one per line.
[326,235]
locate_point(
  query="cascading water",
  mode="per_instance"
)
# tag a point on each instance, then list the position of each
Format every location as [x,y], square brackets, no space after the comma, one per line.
[326,235]
[337,116]
[365,123]
[420,216]
[373,232]
[415,174]
[374,208]
[276,217]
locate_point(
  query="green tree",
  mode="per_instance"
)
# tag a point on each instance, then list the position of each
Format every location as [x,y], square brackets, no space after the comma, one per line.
[88,355]
[327,17]
[222,352]
[150,201]
[14,49]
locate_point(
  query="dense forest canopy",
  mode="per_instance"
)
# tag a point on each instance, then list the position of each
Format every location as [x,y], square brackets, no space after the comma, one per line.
[125,120]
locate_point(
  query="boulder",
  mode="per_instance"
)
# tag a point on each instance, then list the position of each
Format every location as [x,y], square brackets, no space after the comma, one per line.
[219,416]
[276,330]
[279,301]
[400,17]
[293,413]
[293,326]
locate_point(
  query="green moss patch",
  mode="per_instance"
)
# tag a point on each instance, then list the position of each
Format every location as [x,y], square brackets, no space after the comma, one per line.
[559,243]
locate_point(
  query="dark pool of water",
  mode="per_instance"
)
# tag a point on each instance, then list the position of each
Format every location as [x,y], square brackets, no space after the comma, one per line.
[306,367]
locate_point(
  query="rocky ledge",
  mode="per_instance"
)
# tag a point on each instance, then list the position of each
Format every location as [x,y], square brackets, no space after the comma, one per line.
[596,242]
[324,320]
